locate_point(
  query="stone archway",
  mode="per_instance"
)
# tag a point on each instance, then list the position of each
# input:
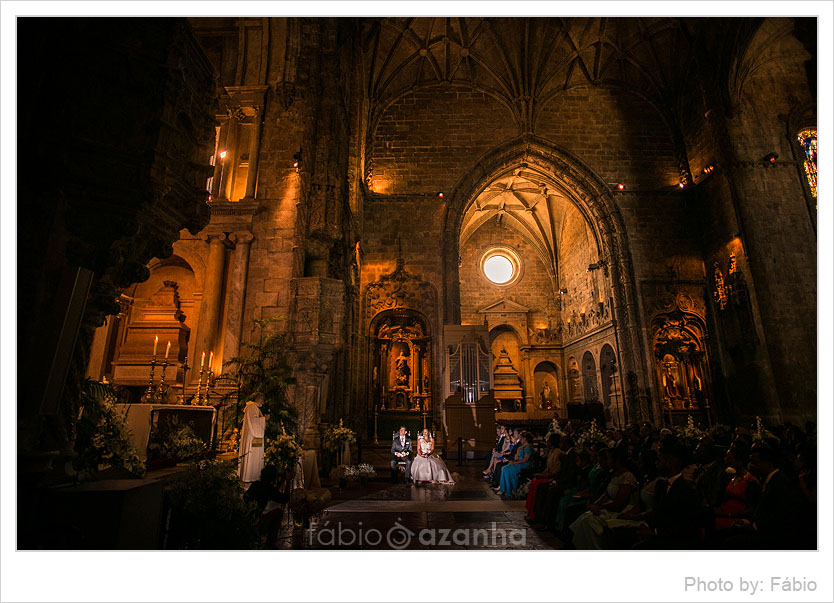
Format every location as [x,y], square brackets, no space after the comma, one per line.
[594,200]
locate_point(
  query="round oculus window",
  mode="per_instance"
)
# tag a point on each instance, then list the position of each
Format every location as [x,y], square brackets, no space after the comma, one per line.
[499,269]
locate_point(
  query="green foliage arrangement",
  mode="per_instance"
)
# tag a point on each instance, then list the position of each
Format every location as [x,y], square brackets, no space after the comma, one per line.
[305,503]
[174,441]
[209,510]
[102,437]
[265,371]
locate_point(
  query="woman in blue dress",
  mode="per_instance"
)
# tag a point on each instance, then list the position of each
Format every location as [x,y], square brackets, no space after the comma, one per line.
[509,475]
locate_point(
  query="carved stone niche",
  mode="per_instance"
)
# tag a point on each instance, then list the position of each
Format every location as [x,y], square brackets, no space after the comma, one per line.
[400,290]
[319,311]
[160,316]
[680,360]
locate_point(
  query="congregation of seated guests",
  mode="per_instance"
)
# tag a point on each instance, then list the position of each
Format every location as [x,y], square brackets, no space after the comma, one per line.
[649,488]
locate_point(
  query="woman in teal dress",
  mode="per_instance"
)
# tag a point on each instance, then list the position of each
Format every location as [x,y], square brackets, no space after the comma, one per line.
[510,473]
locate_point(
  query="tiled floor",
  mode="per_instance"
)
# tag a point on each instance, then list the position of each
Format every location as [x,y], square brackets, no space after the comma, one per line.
[466,515]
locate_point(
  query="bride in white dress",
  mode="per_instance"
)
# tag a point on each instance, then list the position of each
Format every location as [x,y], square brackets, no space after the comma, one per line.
[428,468]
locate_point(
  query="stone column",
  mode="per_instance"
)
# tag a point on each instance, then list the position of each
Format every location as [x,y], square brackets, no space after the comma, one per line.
[230,161]
[254,153]
[218,163]
[529,381]
[211,309]
[236,298]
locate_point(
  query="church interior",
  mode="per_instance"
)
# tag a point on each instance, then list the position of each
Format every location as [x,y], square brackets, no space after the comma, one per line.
[441,223]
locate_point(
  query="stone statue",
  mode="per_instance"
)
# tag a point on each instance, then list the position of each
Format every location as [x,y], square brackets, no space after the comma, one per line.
[403,371]
[670,384]
[545,397]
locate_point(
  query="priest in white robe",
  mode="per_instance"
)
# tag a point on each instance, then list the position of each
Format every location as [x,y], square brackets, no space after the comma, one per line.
[251,452]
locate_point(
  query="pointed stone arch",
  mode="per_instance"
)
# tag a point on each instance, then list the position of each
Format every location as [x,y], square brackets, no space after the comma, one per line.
[594,200]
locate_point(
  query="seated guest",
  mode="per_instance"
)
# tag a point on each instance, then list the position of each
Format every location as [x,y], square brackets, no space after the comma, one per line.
[625,526]
[674,523]
[620,495]
[709,474]
[511,471]
[775,520]
[591,480]
[740,493]
[548,494]
[550,471]
[506,458]
[501,448]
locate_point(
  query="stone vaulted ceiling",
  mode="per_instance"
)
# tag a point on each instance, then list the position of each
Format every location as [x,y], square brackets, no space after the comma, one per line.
[524,61]
[524,202]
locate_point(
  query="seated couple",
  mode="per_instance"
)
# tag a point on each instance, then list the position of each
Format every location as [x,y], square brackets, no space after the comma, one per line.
[426,467]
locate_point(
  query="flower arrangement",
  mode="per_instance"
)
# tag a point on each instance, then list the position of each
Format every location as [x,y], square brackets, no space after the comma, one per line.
[282,452]
[761,433]
[554,428]
[334,438]
[365,470]
[175,441]
[690,432]
[103,438]
[591,435]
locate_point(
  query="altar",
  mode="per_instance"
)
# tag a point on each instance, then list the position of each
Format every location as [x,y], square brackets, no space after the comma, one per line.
[401,379]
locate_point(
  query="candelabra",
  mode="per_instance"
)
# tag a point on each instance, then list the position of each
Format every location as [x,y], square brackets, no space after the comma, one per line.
[198,397]
[148,396]
[209,378]
[376,421]
[160,389]
[185,368]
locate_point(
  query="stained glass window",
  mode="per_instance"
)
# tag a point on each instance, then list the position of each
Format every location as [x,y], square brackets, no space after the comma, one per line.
[808,140]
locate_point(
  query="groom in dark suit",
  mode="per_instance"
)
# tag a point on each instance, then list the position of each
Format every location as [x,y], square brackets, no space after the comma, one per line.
[401,452]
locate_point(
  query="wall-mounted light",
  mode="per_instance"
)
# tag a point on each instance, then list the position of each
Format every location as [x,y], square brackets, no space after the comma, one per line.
[563,291]
[440,194]
[296,160]
[682,185]
[222,154]
[771,157]
[621,186]
[708,169]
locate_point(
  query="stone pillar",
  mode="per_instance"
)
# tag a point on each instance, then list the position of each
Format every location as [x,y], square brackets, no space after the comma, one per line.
[230,161]
[218,163]
[236,297]
[529,381]
[254,153]
[211,309]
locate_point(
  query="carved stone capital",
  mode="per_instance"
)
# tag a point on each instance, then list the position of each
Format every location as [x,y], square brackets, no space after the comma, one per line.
[215,238]
[241,237]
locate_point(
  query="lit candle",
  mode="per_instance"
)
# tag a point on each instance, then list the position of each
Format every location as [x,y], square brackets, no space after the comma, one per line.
[155,342]
[202,360]
[167,349]
[211,357]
